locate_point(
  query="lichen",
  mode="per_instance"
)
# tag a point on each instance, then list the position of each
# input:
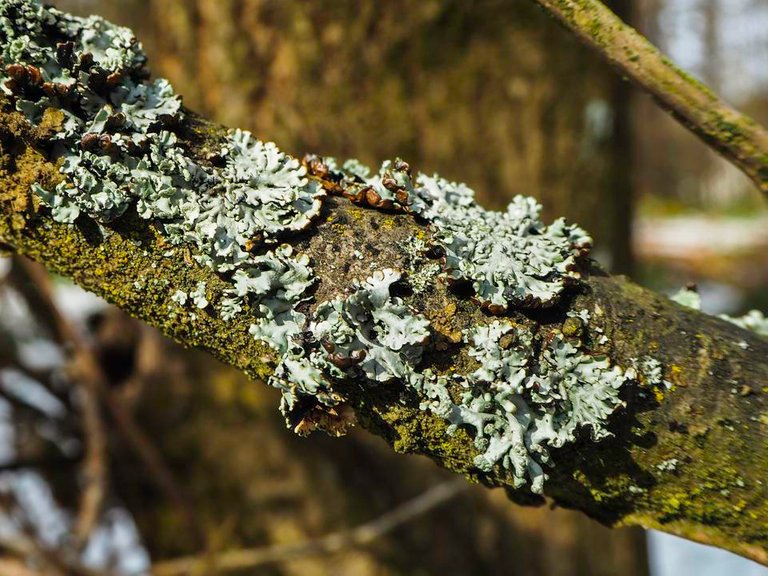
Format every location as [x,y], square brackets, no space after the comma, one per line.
[520,404]
[199,298]
[687,297]
[754,320]
[422,271]
[509,257]
[117,147]
[369,333]
[120,149]
[180,297]
[669,465]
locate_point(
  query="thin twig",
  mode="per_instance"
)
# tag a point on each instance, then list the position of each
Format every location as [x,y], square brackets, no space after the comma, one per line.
[25,544]
[737,137]
[335,542]
[17,567]
[50,561]
[92,374]
[91,380]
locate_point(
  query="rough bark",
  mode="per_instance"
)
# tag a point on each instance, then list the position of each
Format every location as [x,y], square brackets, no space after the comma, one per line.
[713,421]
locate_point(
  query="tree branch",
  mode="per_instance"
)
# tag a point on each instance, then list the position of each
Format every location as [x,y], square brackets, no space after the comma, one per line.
[716,493]
[363,535]
[88,376]
[687,451]
[736,136]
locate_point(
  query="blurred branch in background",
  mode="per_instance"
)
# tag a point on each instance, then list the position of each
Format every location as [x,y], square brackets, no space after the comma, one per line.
[27,545]
[363,535]
[733,134]
[87,375]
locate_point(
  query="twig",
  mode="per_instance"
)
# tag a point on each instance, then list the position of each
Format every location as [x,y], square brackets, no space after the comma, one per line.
[17,567]
[335,542]
[25,545]
[91,380]
[97,386]
[734,135]
[51,562]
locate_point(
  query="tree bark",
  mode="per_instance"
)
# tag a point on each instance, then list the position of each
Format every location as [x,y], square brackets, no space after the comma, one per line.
[712,422]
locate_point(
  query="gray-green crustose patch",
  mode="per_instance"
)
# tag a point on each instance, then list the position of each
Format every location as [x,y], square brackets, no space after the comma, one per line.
[118,148]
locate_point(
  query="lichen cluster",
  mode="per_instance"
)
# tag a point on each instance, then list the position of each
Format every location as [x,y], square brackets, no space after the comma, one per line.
[754,320]
[521,404]
[370,332]
[120,149]
[117,149]
[510,258]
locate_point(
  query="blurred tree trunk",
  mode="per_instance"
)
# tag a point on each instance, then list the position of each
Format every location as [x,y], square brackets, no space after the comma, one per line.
[487,91]
[621,181]
[712,66]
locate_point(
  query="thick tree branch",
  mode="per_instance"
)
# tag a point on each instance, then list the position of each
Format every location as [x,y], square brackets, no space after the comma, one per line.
[687,451]
[737,137]
[690,460]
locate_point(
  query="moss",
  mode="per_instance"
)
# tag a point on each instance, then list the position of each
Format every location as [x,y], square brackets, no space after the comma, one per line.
[20,167]
[572,327]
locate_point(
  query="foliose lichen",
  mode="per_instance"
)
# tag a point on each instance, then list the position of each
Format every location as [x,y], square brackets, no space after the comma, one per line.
[119,148]
[370,333]
[521,404]
[510,258]
[754,320]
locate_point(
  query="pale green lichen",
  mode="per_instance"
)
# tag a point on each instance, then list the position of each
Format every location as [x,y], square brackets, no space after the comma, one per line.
[118,150]
[180,297]
[510,258]
[687,297]
[649,369]
[669,465]
[199,298]
[422,272]
[370,332]
[520,405]
[754,320]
